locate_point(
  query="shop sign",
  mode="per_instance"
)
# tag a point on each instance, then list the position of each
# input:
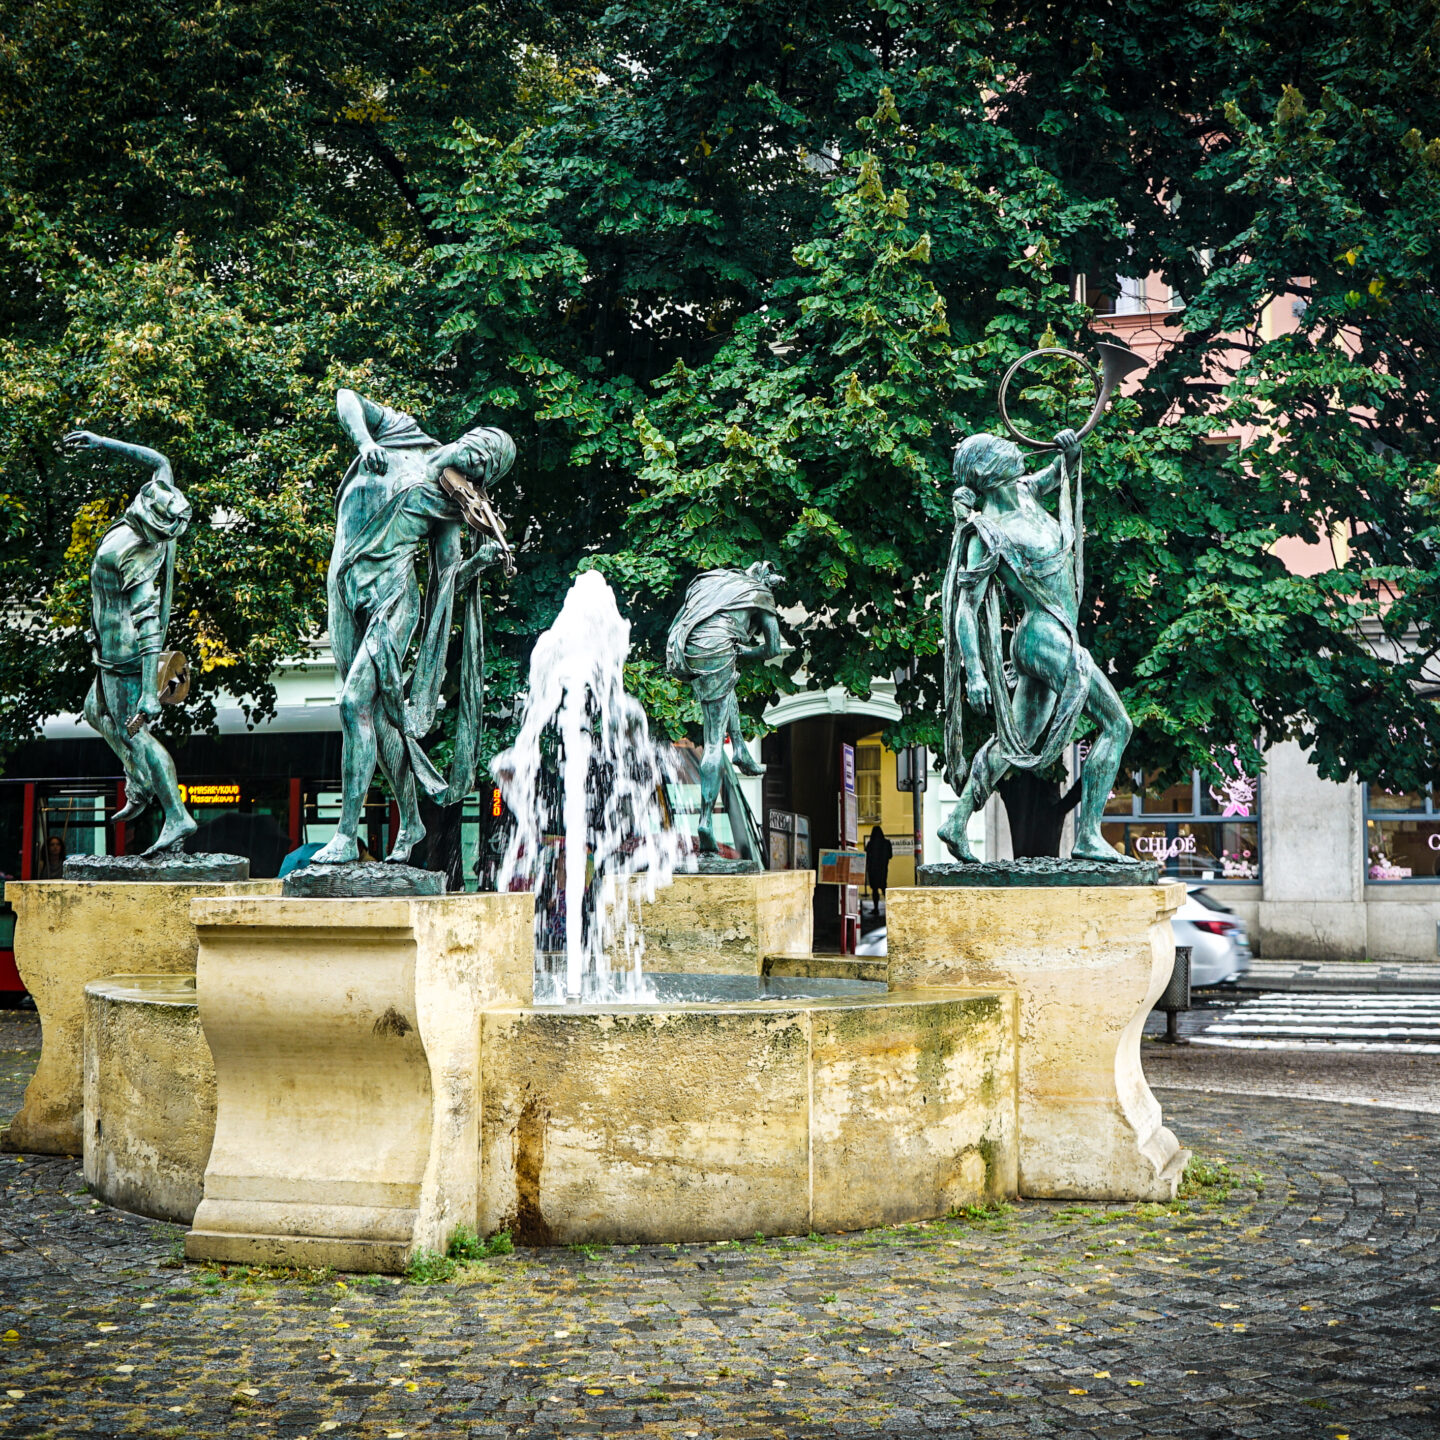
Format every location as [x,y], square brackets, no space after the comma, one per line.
[1433,841]
[1158,848]
[841,867]
[209,794]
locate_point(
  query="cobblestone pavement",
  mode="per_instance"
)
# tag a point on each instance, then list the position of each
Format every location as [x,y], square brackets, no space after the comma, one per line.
[1294,1293]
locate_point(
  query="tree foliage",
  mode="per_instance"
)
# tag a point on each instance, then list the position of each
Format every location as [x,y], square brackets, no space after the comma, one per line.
[738,276]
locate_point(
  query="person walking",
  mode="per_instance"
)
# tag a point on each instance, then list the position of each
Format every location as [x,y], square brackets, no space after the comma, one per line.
[878,851]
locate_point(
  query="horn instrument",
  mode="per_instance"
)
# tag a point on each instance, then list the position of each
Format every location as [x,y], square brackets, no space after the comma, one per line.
[1116,362]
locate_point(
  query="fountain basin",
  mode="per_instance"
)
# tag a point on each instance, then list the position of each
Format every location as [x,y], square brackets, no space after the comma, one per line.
[149,1095]
[695,1122]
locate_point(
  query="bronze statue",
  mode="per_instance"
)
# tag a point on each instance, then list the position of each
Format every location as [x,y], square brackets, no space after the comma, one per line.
[132,580]
[1006,540]
[402,490]
[728,615]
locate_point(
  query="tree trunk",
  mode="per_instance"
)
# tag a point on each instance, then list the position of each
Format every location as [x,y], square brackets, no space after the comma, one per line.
[1036,810]
[443,849]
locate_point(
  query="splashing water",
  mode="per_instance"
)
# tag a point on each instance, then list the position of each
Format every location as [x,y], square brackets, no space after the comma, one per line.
[578,722]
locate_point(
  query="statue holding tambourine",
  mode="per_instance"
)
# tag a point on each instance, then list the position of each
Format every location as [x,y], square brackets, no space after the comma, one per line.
[1006,541]
[132,579]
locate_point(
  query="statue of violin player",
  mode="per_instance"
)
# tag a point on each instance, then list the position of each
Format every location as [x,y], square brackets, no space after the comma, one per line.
[403,490]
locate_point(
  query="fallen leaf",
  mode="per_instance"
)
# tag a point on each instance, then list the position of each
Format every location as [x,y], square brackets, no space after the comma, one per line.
[1074,1391]
[1102,1374]
[560,1335]
[16,1394]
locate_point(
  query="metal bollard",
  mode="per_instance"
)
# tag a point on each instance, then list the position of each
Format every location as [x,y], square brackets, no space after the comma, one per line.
[1176,995]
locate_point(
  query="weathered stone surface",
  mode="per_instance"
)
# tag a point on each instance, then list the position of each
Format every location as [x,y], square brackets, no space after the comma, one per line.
[1088,964]
[68,933]
[719,865]
[715,1122]
[1040,870]
[169,867]
[345,1035]
[354,881]
[728,924]
[149,1095]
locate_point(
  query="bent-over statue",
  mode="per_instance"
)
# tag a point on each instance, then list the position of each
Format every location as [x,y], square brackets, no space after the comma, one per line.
[402,490]
[1006,540]
[728,615]
[132,579]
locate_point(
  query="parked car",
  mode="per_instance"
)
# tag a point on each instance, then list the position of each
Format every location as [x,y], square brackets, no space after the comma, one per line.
[1219,943]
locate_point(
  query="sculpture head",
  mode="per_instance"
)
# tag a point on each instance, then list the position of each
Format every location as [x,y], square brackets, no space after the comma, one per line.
[766,574]
[159,512]
[984,461]
[484,454]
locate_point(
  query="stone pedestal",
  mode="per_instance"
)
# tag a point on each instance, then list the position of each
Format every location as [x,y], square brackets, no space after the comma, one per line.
[68,933]
[728,924]
[1087,964]
[346,1043]
[149,1095]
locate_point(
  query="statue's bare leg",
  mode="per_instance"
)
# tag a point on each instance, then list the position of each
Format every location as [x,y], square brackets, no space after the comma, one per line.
[713,716]
[1102,765]
[358,757]
[1042,648]
[395,763]
[740,755]
[1034,704]
[137,793]
[159,770]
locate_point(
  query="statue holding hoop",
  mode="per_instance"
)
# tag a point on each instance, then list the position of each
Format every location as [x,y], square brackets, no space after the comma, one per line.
[1005,540]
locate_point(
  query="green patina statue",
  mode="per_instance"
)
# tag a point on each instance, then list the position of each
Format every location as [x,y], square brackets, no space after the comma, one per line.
[727,615]
[403,490]
[1005,539]
[132,579]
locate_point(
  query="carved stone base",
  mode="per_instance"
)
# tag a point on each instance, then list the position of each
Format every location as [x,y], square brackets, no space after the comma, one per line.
[68,933]
[346,1042]
[355,881]
[169,867]
[1040,870]
[1088,964]
[728,924]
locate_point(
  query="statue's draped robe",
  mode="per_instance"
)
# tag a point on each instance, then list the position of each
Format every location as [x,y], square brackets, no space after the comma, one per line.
[372,572]
[704,640]
[982,581]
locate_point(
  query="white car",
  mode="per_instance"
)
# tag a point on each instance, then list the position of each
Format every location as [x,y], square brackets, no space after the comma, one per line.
[1216,935]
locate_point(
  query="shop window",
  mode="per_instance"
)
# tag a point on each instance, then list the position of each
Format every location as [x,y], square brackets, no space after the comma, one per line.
[1402,835]
[867,783]
[1195,829]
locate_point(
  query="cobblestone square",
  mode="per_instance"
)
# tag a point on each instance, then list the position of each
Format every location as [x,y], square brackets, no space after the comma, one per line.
[1294,1291]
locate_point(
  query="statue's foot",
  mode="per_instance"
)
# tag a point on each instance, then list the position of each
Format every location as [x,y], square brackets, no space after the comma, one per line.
[706,838]
[136,802]
[1095,848]
[746,763]
[957,841]
[408,838]
[175,833]
[340,850]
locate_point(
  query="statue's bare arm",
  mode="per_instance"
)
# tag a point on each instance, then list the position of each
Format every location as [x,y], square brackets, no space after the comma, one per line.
[88,440]
[768,646]
[1042,482]
[359,418]
[967,631]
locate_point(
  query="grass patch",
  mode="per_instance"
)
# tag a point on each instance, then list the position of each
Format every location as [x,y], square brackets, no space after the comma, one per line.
[429,1267]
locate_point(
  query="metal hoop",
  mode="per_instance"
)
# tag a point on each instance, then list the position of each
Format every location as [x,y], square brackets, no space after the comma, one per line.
[1025,359]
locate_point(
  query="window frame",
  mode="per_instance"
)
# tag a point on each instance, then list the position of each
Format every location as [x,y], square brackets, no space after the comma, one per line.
[1431,813]
[1193,817]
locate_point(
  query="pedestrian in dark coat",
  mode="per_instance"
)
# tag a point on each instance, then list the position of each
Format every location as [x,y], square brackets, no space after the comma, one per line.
[878,851]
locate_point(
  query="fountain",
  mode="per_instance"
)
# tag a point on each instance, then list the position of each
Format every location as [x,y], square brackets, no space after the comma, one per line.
[578,723]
